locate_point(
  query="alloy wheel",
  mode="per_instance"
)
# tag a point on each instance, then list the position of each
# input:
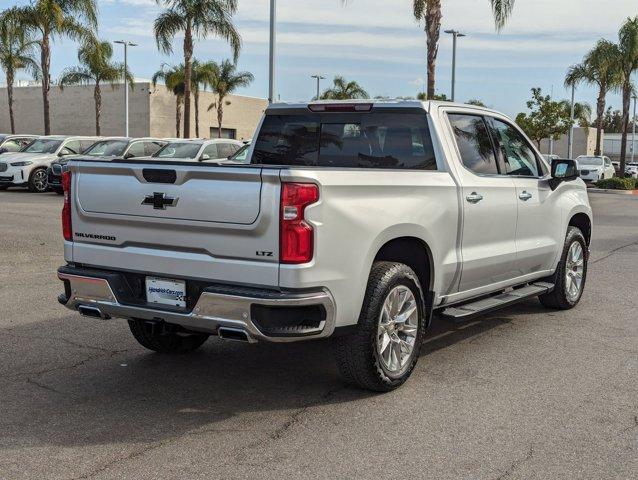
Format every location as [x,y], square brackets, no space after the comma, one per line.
[574,270]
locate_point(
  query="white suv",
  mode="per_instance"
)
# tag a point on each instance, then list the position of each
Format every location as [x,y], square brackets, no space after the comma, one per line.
[28,168]
[594,168]
[198,150]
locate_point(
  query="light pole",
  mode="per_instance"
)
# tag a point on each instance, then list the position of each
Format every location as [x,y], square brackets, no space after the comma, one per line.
[319,78]
[633,132]
[570,144]
[455,34]
[273,39]
[126,45]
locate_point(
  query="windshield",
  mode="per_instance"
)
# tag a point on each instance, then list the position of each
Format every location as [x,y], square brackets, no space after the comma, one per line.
[107,148]
[241,155]
[179,150]
[592,161]
[43,146]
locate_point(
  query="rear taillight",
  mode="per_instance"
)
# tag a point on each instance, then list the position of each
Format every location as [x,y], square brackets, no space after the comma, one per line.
[296,240]
[67,229]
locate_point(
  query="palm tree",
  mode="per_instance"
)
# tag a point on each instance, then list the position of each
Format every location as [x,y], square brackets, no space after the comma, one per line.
[95,67]
[225,80]
[16,53]
[202,75]
[173,79]
[49,19]
[343,90]
[597,68]
[199,18]
[430,12]
[626,60]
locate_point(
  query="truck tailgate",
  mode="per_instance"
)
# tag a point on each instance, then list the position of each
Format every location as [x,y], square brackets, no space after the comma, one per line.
[192,221]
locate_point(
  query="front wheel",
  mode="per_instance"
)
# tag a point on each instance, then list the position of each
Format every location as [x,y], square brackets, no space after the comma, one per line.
[162,341]
[38,181]
[384,349]
[570,276]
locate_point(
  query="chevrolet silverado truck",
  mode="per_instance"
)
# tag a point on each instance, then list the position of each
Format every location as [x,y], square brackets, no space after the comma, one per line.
[352,220]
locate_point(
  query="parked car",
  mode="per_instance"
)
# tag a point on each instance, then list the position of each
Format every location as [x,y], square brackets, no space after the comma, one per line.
[28,168]
[198,150]
[631,170]
[10,143]
[594,168]
[241,156]
[354,220]
[106,149]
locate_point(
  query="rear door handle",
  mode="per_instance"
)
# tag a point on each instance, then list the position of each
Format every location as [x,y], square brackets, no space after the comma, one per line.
[525,196]
[474,197]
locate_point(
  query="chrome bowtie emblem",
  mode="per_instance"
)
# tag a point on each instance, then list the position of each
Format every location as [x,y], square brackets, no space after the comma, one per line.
[160,201]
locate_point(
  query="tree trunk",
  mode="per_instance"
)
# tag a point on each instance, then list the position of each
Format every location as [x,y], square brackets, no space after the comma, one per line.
[220,116]
[178,114]
[600,113]
[10,99]
[97,96]
[188,56]
[196,95]
[433,17]
[45,62]
[626,105]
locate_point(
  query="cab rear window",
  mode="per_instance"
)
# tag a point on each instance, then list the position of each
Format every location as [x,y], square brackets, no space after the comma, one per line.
[367,140]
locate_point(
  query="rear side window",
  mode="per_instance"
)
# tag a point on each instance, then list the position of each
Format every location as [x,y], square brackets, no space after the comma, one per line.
[474,143]
[373,140]
[225,150]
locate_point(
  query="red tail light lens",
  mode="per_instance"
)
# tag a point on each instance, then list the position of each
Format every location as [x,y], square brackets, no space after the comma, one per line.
[67,229]
[296,242]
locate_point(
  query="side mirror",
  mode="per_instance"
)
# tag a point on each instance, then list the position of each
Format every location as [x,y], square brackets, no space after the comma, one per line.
[205,157]
[563,170]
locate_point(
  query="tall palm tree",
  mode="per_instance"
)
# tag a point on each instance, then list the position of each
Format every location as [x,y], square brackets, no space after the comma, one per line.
[196,18]
[96,67]
[16,53]
[48,19]
[597,68]
[430,12]
[225,80]
[343,90]
[202,75]
[173,79]
[627,64]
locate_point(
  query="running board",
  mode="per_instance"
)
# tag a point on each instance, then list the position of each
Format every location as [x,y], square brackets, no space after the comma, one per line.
[502,300]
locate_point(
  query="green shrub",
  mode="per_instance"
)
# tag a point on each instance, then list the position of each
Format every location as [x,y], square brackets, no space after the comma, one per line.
[617,183]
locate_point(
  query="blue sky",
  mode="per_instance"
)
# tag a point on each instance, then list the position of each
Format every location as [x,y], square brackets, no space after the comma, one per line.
[378,43]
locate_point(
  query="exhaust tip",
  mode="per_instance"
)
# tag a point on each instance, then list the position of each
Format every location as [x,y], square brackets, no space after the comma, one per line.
[92,312]
[235,334]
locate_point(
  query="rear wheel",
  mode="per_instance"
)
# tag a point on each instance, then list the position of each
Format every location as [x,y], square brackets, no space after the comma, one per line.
[165,341]
[570,276]
[38,181]
[381,354]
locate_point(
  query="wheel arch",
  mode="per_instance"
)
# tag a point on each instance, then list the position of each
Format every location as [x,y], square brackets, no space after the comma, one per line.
[583,222]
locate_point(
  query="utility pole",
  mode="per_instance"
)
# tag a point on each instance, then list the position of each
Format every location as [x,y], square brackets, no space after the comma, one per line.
[126,45]
[319,78]
[273,41]
[455,35]
[570,145]
[633,132]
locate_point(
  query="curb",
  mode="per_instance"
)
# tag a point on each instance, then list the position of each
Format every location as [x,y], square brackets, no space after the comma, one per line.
[613,192]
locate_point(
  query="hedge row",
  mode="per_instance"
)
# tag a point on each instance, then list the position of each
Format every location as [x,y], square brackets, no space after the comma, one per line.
[617,183]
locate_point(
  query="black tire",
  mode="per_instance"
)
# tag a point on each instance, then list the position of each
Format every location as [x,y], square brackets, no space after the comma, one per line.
[357,353]
[38,181]
[165,342]
[3,187]
[559,298]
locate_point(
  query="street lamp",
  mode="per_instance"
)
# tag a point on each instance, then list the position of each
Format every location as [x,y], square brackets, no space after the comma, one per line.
[126,45]
[570,144]
[319,78]
[455,34]
[273,38]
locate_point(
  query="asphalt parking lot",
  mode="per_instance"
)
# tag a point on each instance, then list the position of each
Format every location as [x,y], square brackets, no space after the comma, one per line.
[525,393]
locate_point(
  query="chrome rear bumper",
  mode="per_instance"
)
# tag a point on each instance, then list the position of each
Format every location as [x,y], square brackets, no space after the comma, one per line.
[93,296]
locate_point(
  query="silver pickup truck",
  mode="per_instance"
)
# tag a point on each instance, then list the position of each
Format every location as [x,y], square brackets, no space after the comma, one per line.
[353,220]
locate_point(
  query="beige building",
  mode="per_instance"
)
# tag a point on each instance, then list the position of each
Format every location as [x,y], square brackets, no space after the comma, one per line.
[584,143]
[151,112]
